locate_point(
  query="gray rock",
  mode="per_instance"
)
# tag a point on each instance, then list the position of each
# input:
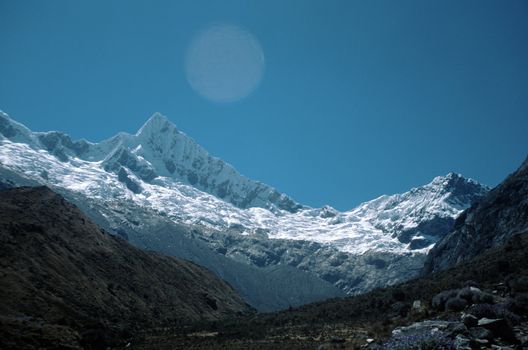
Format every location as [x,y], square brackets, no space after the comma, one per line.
[499,327]
[336,340]
[479,342]
[458,328]
[481,333]
[427,325]
[469,320]
[441,298]
[462,342]
[456,304]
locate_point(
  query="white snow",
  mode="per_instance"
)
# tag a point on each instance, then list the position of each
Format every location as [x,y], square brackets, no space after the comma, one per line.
[369,227]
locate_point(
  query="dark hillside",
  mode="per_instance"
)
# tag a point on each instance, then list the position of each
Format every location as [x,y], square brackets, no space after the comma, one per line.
[64,282]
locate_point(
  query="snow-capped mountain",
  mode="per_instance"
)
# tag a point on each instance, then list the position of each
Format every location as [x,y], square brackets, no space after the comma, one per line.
[424,214]
[492,222]
[163,171]
[157,150]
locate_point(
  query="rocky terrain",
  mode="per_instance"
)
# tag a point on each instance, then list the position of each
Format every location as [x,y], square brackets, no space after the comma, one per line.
[65,283]
[503,213]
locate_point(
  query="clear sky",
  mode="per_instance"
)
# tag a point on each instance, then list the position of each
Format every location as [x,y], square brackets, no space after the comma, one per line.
[357,99]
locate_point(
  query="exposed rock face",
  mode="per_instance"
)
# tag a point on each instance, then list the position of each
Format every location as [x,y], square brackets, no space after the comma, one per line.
[59,268]
[500,215]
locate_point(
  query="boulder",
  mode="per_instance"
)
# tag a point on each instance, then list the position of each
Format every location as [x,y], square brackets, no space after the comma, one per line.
[462,343]
[336,340]
[479,343]
[417,305]
[424,326]
[469,320]
[499,327]
[458,328]
[456,304]
[440,299]
[481,333]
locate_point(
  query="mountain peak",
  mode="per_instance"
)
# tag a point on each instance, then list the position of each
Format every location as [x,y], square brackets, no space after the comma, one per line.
[453,180]
[13,130]
[459,190]
[157,123]
[451,176]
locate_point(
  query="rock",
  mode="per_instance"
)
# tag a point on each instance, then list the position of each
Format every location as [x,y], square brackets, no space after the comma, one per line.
[400,309]
[469,320]
[456,304]
[462,342]
[499,327]
[458,328]
[440,299]
[336,340]
[523,340]
[474,295]
[427,325]
[418,307]
[481,333]
[479,342]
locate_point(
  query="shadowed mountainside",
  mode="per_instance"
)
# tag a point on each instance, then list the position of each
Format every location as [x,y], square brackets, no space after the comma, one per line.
[64,282]
[501,214]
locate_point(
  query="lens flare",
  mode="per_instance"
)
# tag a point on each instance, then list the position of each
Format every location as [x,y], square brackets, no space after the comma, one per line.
[224,63]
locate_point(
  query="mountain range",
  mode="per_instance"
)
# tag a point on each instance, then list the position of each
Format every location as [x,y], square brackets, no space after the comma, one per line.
[161,191]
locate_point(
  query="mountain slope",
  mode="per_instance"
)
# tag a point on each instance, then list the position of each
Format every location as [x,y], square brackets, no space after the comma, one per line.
[264,288]
[58,267]
[126,177]
[500,215]
[135,167]
[424,214]
[169,153]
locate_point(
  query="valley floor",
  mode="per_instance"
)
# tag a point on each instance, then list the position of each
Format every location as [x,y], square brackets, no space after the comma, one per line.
[372,319]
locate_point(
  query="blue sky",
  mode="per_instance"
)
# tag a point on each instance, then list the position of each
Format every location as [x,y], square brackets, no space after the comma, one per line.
[358,98]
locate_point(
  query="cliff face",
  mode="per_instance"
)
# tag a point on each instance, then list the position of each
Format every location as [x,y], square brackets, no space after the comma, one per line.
[501,214]
[59,269]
